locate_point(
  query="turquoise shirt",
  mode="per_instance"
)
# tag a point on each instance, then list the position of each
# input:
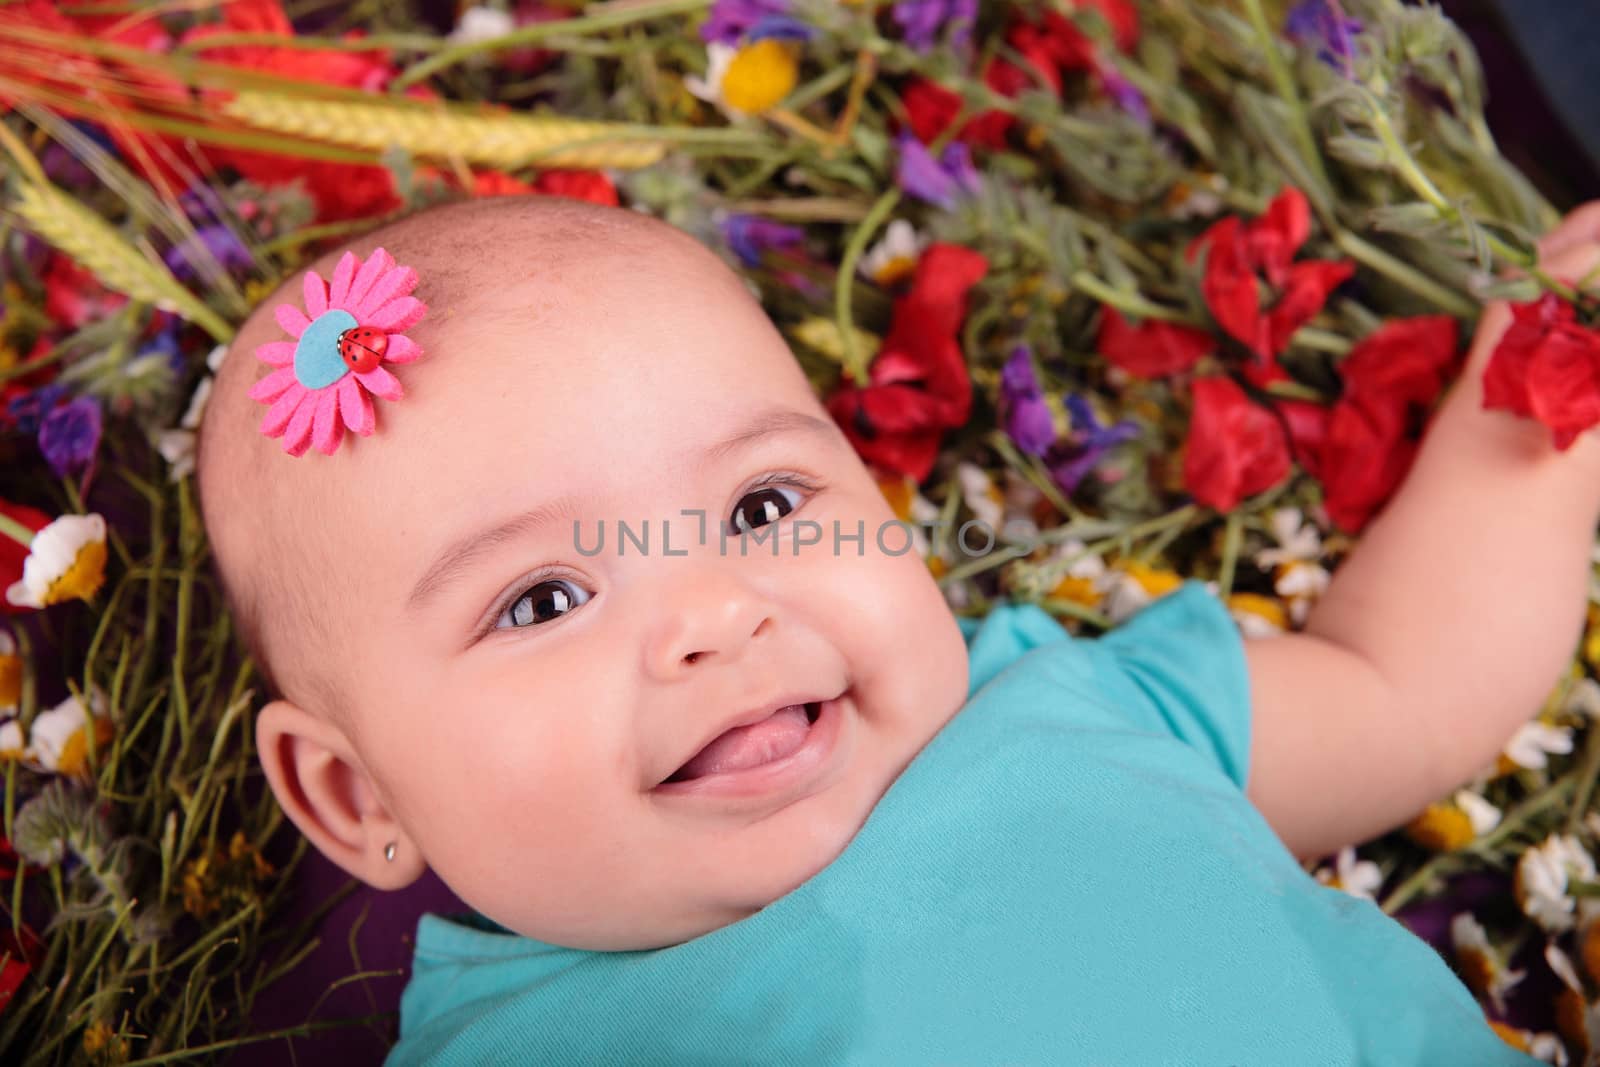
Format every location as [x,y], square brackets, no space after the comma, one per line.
[1068,873]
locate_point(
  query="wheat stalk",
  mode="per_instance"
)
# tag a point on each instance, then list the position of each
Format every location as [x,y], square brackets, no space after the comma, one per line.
[89,239]
[492,140]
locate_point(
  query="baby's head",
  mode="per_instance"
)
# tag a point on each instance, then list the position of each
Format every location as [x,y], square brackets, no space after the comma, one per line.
[457,671]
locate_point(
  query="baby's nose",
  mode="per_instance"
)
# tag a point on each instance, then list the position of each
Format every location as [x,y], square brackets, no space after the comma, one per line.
[710,619]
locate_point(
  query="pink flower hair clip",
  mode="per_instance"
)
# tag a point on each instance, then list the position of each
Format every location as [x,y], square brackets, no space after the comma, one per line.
[324,380]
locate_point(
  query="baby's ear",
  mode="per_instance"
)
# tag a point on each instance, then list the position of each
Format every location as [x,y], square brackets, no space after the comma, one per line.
[323,789]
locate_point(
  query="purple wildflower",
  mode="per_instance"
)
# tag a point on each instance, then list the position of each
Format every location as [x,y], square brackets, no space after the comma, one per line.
[1323,23]
[225,248]
[937,181]
[1027,416]
[736,22]
[27,411]
[70,436]
[1086,444]
[1126,95]
[923,19]
[750,236]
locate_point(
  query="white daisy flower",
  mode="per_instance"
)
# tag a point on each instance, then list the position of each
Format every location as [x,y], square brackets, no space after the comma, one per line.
[12,744]
[1484,815]
[481,24]
[1584,698]
[749,80]
[1256,616]
[1542,876]
[895,255]
[1358,877]
[1484,968]
[1535,741]
[58,739]
[985,501]
[1299,575]
[67,559]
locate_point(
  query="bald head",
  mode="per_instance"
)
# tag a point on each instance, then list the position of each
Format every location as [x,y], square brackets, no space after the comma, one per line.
[507,268]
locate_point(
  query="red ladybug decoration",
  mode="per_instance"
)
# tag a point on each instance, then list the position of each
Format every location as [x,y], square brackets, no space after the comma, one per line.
[362,348]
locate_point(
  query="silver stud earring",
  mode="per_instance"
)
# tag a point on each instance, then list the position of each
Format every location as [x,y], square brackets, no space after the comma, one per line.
[388,852]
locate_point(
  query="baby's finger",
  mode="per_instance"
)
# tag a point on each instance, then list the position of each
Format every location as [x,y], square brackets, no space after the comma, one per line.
[1575,263]
[1580,226]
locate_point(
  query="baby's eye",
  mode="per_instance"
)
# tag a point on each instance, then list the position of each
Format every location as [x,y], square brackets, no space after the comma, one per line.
[761,506]
[541,603]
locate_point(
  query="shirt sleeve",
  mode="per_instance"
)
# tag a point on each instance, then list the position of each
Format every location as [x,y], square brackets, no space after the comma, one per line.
[1178,666]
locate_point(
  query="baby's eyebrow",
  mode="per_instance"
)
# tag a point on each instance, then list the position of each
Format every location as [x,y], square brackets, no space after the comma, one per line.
[463,553]
[769,422]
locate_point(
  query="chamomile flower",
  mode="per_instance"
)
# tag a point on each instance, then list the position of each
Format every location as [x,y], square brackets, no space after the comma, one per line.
[1545,1047]
[1358,877]
[177,444]
[66,560]
[13,746]
[749,80]
[1445,827]
[1133,585]
[895,256]
[1084,574]
[10,675]
[1298,573]
[1576,1018]
[1483,968]
[58,739]
[1257,616]
[1543,874]
[981,496]
[1533,744]
[1583,698]
[481,24]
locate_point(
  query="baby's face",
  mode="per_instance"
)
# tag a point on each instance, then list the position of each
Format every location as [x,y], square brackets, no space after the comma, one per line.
[522,700]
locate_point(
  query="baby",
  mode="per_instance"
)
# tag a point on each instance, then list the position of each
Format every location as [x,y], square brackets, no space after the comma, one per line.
[738,794]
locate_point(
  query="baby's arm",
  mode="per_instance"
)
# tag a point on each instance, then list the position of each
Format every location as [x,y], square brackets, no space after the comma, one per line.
[1447,626]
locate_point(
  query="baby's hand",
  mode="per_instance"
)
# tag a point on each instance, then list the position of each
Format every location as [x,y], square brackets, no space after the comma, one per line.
[1570,253]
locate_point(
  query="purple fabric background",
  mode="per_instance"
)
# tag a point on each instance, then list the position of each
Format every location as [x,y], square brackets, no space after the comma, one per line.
[1534,139]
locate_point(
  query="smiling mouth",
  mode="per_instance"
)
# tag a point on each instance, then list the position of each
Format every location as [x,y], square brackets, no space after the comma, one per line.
[779,735]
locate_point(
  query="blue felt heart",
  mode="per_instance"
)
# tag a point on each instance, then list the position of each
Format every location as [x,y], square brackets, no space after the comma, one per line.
[317,362]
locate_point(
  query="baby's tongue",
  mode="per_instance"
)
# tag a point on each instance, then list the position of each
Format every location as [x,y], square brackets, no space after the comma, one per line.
[748,746]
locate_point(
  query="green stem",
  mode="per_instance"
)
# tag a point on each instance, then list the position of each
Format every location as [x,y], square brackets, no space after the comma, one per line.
[855,365]
[15,530]
[1404,275]
[1232,538]
[1288,91]
[408,42]
[606,20]
[1587,771]
[1514,820]
[1129,303]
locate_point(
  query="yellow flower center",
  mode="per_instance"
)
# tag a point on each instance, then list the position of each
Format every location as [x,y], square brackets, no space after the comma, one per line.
[937,566]
[1442,828]
[1155,582]
[1477,970]
[1077,590]
[75,753]
[1589,950]
[1510,1035]
[895,269]
[10,680]
[1262,606]
[1570,1012]
[760,75]
[83,579]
